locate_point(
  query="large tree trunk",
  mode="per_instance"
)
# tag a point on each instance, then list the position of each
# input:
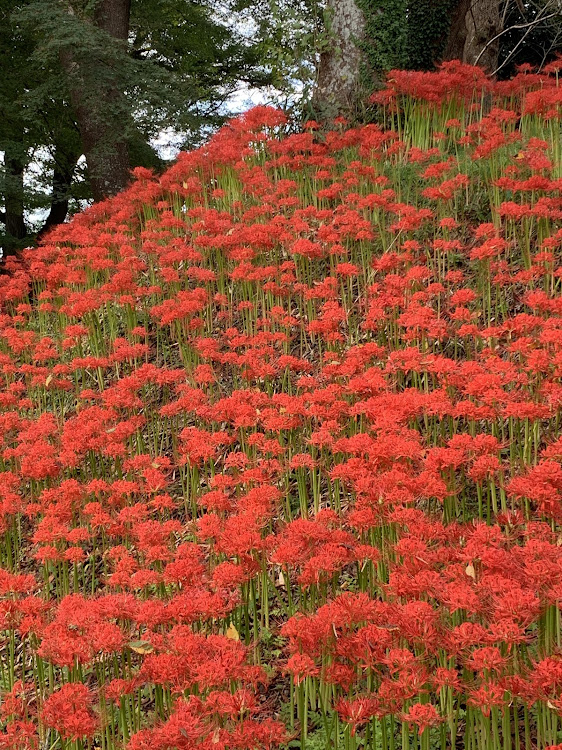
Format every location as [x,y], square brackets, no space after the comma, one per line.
[483,24]
[474,26]
[104,147]
[98,104]
[338,78]
[454,49]
[14,164]
[113,16]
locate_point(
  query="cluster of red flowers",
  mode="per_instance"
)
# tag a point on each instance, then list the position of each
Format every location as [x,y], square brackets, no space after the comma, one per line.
[280,453]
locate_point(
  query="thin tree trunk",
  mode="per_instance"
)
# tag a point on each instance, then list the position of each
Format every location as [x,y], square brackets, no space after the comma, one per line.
[14,163]
[65,159]
[97,103]
[338,79]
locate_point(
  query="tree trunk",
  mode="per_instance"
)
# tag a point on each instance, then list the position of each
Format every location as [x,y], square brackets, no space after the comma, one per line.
[454,49]
[338,78]
[67,153]
[474,24]
[113,16]
[98,105]
[483,23]
[104,148]
[14,163]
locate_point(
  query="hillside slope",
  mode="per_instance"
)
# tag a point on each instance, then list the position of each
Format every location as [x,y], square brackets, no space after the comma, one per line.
[280,450]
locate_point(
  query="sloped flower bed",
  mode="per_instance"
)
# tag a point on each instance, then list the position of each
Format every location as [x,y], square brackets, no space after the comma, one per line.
[280,458]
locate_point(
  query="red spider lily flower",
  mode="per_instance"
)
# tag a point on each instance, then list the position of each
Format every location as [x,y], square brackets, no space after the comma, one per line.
[301,666]
[422,716]
[69,711]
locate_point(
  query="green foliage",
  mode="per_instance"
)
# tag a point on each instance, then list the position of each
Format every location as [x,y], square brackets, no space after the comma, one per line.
[385,43]
[181,63]
[428,23]
[191,59]
[292,35]
[404,34]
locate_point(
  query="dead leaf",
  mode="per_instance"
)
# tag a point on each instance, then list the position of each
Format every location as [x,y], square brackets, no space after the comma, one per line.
[141,647]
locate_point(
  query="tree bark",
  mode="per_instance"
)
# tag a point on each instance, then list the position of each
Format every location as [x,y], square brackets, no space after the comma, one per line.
[483,23]
[104,147]
[454,49]
[474,24]
[98,105]
[338,77]
[113,16]
[14,163]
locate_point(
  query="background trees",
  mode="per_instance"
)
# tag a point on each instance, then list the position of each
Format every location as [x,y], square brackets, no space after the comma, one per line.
[87,85]
[418,34]
[102,79]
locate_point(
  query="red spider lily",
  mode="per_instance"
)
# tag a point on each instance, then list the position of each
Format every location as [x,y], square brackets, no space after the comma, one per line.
[422,715]
[69,711]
